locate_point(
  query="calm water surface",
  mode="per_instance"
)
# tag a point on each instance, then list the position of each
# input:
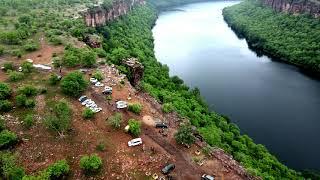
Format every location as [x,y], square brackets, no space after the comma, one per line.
[272,102]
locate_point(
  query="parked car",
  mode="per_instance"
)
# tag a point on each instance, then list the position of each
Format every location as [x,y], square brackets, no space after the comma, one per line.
[107,90]
[207,177]
[96,109]
[161,125]
[98,84]
[93,80]
[82,98]
[121,104]
[86,102]
[168,168]
[135,142]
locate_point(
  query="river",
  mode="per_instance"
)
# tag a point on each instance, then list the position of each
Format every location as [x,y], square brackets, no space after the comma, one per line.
[274,103]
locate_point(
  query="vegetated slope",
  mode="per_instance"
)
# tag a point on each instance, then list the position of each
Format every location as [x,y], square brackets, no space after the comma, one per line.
[294,39]
[162,4]
[132,36]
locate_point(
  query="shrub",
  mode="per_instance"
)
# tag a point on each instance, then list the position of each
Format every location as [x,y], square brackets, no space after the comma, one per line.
[135,108]
[167,108]
[5,106]
[1,50]
[60,118]
[9,168]
[58,169]
[91,164]
[115,120]
[57,62]
[74,84]
[54,79]
[28,90]
[87,113]
[8,66]
[134,127]
[28,121]
[98,75]
[55,40]
[184,135]
[31,46]
[2,124]
[101,146]
[88,58]
[7,139]
[23,101]
[15,76]
[5,91]
[70,60]
[27,67]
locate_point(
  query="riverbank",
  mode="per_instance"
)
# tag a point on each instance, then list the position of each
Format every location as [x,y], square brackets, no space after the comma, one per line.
[134,33]
[286,38]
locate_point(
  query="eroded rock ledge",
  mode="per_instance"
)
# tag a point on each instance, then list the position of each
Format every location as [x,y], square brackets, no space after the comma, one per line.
[311,7]
[99,16]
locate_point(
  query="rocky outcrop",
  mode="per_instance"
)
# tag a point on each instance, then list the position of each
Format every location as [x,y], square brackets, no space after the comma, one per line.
[136,70]
[311,7]
[99,15]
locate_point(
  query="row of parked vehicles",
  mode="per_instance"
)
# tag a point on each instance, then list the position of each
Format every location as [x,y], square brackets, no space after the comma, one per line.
[89,103]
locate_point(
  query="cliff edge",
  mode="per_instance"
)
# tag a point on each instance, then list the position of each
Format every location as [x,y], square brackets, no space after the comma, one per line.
[99,15]
[311,7]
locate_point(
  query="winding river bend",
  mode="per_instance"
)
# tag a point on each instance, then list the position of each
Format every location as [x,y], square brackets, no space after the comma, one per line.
[272,102]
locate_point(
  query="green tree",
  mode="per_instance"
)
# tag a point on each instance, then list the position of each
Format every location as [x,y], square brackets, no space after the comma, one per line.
[7,139]
[134,127]
[28,121]
[5,106]
[27,67]
[184,135]
[87,113]
[91,164]
[73,84]
[98,75]
[5,91]
[88,58]
[115,120]
[135,108]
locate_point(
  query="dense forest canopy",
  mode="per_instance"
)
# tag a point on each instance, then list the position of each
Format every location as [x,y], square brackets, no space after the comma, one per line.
[295,39]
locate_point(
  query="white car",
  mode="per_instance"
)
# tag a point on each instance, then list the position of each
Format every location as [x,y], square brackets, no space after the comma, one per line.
[108,88]
[92,104]
[82,98]
[135,142]
[121,104]
[98,84]
[96,109]
[86,102]
[93,80]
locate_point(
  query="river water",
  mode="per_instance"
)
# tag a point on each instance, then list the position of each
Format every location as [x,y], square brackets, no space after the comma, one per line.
[274,103]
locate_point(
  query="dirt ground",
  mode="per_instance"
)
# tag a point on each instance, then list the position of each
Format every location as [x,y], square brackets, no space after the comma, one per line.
[40,147]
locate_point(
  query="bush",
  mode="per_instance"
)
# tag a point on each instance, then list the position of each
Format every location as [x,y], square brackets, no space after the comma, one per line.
[55,40]
[5,106]
[57,62]
[54,79]
[5,91]
[31,46]
[101,146]
[8,66]
[98,75]
[7,139]
[28,121]
[91,164]
[23,101]
[74,84]
[88,58]
[28,90]
[1,50]
[87,113]
[60,118]
[15,76]
[115,120]
[27,67]
[184,135]
[58,169]
[70,60]
[167,107]
[135,108]
[134,127]
[9,168]
[2,124]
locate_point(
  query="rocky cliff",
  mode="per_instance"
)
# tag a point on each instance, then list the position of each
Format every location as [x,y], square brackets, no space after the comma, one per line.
[311,7]
[99,15]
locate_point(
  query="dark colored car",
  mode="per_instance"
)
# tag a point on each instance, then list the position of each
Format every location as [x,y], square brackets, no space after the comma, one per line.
[161,125]
[168,168]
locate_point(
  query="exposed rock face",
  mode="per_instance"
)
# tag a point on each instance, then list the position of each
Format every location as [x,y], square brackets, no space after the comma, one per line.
[136,69]
[311,7]
[99,16]
[93,41]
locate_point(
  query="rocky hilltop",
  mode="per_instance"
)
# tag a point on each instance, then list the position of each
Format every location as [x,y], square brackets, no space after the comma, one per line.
[311,7]
[99,15]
